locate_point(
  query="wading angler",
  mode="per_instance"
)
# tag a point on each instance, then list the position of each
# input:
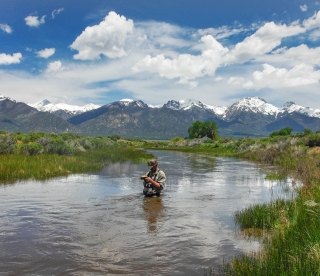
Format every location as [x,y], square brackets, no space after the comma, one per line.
[154,180]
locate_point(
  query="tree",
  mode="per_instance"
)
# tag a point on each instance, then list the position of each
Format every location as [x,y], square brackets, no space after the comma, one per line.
[200,129]
[282,132]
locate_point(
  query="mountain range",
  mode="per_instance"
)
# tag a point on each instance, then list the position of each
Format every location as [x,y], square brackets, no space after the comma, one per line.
[136,119]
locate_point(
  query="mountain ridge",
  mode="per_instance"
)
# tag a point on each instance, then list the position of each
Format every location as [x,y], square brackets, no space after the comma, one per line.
[254,104]
[136,119]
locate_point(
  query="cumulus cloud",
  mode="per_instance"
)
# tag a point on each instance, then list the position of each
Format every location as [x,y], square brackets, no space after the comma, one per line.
[108,38]
[272,77]
[46,53]
[34,21]
[213,60]
[6,59]
[55,12]
[161,36]
[186,67]
[6,28]
[299,54]
[54,67]
[264,40]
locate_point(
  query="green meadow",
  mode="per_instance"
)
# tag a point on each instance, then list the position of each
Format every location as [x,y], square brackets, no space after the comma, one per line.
[41,156]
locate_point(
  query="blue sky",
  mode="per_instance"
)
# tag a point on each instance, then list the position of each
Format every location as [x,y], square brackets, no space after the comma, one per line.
[217,52]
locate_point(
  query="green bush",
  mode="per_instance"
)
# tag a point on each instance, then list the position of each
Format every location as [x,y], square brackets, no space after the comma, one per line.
[32,148]
[7,144]
[282,132]
[59,147]
[313,141]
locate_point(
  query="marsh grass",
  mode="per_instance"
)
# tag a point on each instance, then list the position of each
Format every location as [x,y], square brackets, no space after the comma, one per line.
[294,246]
[276,176]
[15,167]
[265,216]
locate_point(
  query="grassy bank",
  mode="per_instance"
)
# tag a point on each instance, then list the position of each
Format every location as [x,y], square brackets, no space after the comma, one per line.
[289,230]
[41,156]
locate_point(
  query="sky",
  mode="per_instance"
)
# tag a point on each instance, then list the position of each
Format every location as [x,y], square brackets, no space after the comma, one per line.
[98,51]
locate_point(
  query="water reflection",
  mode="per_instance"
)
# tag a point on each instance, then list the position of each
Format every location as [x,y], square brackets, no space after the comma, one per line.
[201,163]
[154,210]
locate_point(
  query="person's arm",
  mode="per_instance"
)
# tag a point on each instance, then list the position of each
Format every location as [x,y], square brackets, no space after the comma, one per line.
[161,181]
[153,183]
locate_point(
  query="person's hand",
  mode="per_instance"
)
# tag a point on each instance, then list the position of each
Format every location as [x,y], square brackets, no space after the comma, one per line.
[143,177]
[147,179]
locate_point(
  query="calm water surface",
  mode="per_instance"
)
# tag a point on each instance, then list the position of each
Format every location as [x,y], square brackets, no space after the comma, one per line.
[102,225]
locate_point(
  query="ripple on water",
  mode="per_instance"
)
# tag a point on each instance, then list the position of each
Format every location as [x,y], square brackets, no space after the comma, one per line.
[101,224]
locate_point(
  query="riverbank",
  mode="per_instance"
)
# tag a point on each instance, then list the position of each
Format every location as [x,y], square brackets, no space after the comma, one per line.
[42,156]
[289,230]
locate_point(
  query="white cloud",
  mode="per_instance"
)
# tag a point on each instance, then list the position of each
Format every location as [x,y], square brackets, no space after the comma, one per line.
[303,8]
[194,63]
[34,21]
[6,28]
[312,22]
[6,59]
[161,36]
[315,35]
[300,54]
[264,40]
[108,38]
[223,32]
[54,67]
[186,67]
[189,67]
[55,12]
[272,77]
[46,53]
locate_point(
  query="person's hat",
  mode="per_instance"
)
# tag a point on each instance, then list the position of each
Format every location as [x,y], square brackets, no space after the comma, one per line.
[152,162]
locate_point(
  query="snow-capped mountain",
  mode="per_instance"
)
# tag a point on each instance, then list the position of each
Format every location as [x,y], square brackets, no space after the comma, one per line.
[134,118]
[132,103]
[291,107]
[47,106]
[259,105]
[20,117]
[190,103]
[254,105]
[3,98]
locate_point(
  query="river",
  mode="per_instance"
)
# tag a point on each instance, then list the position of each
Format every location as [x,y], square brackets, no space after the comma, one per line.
[100,224]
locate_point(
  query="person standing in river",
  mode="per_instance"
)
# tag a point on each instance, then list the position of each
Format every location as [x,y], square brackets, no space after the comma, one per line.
[154,181]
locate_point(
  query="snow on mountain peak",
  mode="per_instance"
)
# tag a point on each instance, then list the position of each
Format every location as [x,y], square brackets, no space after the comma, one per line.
[190,103]
[47,106]
[126,101]
[290,107]
[256,105]
[131,102]
[3,98]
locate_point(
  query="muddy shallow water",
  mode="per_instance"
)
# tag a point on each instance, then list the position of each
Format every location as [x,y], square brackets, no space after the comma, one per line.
[102,225]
